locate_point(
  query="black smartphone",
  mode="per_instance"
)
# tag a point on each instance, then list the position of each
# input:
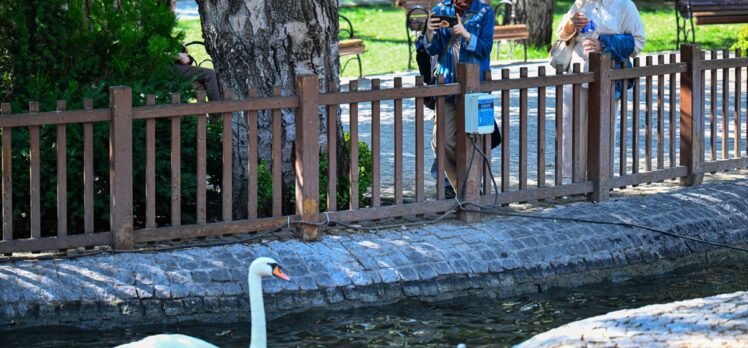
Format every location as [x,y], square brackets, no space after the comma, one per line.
[446,21]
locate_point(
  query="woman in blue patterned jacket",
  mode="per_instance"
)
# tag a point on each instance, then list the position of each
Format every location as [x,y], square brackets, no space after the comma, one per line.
[469,41]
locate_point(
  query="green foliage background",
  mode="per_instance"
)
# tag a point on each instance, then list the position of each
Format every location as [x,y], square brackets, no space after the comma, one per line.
[50,50]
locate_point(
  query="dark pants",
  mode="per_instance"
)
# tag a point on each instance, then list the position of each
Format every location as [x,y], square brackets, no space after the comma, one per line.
[205,76]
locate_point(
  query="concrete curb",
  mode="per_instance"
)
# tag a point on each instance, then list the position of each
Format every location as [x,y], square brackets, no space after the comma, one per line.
[498,257]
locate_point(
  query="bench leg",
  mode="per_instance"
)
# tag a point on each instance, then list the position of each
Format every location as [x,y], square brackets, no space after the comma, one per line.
[360,70]
[410,44]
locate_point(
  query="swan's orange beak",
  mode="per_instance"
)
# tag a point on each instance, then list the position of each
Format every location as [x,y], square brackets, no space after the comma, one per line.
[279,273]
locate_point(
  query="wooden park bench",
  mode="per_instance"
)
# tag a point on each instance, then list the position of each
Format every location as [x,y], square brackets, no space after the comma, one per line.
[350,46]
[507,31]
[707,12]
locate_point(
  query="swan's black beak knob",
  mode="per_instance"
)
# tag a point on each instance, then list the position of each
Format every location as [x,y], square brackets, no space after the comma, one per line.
[278,272]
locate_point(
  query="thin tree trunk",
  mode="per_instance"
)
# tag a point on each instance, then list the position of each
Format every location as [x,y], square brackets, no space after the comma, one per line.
[538,15]
[262,44]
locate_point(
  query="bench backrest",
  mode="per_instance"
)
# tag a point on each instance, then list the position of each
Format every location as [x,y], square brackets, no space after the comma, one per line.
[711,7]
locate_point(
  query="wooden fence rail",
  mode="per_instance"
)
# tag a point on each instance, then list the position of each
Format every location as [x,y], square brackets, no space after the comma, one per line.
[631,140]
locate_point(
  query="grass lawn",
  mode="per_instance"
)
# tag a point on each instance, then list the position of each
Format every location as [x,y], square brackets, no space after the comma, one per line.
[383,30]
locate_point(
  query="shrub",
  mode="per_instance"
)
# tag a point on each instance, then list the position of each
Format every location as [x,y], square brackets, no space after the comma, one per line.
[49,52]
[742,40]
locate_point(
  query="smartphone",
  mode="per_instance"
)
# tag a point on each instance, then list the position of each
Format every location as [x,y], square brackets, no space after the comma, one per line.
[446,21]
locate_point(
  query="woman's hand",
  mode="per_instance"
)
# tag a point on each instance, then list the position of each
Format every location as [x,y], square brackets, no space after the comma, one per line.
[579,21]
[591,45]
[458,29]
[432,23]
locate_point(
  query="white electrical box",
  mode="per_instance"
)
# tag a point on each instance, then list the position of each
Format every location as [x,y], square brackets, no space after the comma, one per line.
[479,113]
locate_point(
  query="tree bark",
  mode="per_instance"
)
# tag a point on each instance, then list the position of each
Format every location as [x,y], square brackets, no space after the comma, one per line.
[538,15]
[262,44]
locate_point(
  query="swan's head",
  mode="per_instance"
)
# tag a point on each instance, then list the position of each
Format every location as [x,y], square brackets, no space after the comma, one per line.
[266,267]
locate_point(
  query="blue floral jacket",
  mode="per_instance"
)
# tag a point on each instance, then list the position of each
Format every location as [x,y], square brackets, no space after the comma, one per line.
[478,50]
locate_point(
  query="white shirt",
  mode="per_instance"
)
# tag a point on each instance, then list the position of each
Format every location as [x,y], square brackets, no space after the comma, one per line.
[610,17]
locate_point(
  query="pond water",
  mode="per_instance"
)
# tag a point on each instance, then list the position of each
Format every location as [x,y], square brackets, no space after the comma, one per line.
[475,321]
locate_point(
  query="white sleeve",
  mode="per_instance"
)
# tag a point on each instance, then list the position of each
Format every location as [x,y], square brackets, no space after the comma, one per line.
[632,24]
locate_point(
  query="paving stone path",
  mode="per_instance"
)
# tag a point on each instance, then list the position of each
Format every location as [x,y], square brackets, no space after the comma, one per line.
[718,321]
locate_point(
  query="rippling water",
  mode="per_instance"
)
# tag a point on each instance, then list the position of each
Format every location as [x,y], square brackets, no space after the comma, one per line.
[475,321]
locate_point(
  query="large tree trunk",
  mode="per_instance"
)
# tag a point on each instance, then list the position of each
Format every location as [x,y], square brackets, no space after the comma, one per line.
[262,44]
[538,15]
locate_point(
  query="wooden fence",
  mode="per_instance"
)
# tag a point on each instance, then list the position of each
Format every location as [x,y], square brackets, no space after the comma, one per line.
[682,132]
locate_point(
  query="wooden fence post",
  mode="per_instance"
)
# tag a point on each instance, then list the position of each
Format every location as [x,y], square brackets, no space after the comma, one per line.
[598,127]
[691,116]
[307,156]
[469,79]
[120,172]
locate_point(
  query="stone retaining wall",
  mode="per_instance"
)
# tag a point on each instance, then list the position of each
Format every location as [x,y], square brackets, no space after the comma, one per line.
[499,257]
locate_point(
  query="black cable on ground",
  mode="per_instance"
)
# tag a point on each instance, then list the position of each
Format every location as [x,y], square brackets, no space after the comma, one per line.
[492,210]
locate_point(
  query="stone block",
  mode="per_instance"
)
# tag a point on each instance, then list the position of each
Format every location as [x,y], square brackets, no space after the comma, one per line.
[408,274]
[389,275]
[220,275]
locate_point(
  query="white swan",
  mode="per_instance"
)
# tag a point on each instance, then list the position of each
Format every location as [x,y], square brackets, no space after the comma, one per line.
[261,267]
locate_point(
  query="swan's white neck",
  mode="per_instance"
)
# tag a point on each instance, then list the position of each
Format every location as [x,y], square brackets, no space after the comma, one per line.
[257,308]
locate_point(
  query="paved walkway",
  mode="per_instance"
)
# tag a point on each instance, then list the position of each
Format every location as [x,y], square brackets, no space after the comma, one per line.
[719,321]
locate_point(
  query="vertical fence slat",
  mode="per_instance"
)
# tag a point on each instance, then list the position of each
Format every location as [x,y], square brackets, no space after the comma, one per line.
[505,127]
[523,153]
[307,156]
[648,120]
[276,159]
[62,176]
[713,109]
[725,108]
[612,115]
[541,131]
[226,182]
[559,134]
[736,116]
[671,123]
[88,176]
[398,145]
[746,107]
[660,116]
[332,152]
[691,116]
[7,167]
[598,106]
[441,136]
[623,134]
[702,56]
[150,167]
[120,175]
[34,176]
[487,183]
[578,173]
[635,121]
[176,161]
[419,144]
[202,154]
[353,110]
[252,161]
[376,172]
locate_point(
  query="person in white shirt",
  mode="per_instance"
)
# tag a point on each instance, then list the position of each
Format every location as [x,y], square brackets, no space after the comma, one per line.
[583,25]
